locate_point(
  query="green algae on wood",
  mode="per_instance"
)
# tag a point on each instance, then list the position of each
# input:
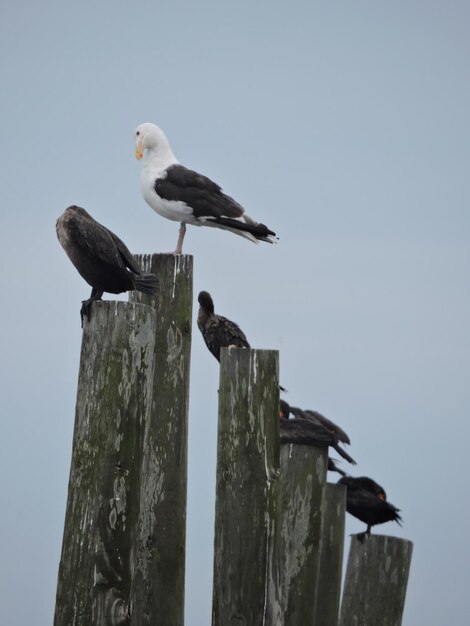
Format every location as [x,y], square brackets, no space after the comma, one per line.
[246,581]
[159,581]
[113,404]
[331,558]
[376,580]
[302,484]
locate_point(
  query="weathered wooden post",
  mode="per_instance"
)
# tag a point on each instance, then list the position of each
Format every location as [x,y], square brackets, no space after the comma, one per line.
[123,553]
[331,559]
[246,581]
[113,405]
[159,579]
[302,484]
[376,579]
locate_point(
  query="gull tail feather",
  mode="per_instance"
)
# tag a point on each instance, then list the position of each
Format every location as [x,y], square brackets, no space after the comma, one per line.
[259,231]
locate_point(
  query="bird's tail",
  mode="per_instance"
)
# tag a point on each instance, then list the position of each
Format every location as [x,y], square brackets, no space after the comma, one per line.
[146,283]
[397,517]
[259,231]
[332,467]
[344,454]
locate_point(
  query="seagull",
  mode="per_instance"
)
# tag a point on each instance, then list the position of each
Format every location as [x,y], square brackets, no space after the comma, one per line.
[217,331]
[100,257]
[304,431]
[367,501]
[185,196]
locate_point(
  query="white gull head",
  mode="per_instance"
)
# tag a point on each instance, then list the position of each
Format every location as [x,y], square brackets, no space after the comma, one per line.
[150,137]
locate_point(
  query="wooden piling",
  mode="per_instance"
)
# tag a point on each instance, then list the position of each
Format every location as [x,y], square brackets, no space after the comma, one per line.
[246,581]
[159,580]
[113,405]
[331,559]
[376,579]
[302,484]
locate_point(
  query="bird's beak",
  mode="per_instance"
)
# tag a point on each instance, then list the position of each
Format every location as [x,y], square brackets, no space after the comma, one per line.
[139,151]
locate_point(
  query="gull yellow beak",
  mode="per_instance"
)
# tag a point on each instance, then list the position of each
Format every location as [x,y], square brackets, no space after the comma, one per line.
[139,151]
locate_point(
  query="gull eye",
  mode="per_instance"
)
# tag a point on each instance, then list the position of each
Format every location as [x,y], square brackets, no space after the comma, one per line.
[138,132]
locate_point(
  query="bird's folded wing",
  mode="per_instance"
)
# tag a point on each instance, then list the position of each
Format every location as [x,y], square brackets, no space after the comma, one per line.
[125,254]
[227,333]
[321,419]
[100,243]
[199,192]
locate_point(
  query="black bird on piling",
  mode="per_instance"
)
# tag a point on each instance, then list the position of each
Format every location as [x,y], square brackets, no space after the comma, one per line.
[367,500]
[304,431]
[334,429]
[100,257]
[218,332]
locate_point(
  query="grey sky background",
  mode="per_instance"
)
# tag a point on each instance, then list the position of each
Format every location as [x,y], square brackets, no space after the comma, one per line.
[344,127]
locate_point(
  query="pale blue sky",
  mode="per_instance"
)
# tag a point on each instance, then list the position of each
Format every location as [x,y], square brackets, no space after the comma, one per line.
[344,127]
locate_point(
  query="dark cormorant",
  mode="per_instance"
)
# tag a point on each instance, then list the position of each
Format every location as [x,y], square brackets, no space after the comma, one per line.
[218,332]
[302,430]
[328,424]
[367,501]
[100,257]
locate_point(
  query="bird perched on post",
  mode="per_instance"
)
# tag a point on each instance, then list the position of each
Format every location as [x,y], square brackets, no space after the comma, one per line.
[184,196]
[218,332]
[304,431]
[367,501]
[100,257]
[318,418]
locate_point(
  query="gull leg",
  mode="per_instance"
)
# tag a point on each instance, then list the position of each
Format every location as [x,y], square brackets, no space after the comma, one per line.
[85,311]
[179,245]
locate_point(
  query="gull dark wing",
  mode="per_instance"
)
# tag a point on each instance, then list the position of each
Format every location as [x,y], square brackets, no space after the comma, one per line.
[199,192]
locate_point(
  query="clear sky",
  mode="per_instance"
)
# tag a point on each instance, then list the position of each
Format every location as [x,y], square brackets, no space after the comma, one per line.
[344,127]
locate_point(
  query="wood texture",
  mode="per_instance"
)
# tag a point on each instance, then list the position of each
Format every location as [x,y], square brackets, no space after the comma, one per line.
[302,484]
[376,579]
[159,580]
[331,558]
[246,580]
[113,405]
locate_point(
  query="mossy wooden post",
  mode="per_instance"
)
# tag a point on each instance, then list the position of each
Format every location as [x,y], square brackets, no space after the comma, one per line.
[246,582]
[113,403]
[159,578]
[376,579]
[331,558]
[303,476]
